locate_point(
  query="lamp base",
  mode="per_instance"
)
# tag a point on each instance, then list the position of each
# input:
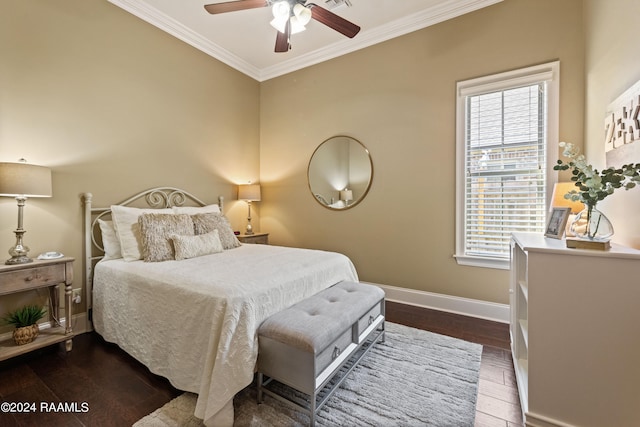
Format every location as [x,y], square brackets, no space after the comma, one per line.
[23,259]
[19,252]
[249,230]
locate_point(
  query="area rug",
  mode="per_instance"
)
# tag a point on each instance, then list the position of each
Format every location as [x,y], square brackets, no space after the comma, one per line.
[414,378]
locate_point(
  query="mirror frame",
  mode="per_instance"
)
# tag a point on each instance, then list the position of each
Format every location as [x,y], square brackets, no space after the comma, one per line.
[366,191]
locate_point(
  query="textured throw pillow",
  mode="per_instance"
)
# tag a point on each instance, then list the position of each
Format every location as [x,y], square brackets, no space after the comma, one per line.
[110,242]
[125,221]
[206,223]
[192,210]
[195,246]
[155,232]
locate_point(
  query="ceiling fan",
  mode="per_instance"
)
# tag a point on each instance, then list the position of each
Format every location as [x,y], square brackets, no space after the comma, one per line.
[290,17]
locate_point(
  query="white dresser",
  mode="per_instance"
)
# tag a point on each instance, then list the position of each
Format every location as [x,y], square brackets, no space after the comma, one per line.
[575,333]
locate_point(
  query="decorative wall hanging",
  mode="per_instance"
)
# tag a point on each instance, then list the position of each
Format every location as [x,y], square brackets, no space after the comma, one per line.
[622,128]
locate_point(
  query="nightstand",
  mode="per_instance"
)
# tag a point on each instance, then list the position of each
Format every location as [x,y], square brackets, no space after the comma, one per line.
[35,275]
[259,238]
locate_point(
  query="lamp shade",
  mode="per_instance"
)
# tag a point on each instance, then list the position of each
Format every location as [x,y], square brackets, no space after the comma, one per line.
[22,179]
[558,200]
[346,195]
[249,192]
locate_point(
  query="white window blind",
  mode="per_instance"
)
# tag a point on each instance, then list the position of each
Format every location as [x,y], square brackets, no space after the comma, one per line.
[502,150]
[505,163]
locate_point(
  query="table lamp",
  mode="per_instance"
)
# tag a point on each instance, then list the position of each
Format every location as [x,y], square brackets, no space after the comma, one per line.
[22,180]
[249,193]
[346,195]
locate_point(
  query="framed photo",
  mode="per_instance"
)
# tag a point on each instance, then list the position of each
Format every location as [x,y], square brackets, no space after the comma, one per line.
[557,222]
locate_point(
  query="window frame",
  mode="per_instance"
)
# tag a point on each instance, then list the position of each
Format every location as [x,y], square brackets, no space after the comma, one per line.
[548,73]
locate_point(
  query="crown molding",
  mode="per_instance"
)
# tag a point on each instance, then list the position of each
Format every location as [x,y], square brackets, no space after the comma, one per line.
[408,24]
[436,14]
[169,25]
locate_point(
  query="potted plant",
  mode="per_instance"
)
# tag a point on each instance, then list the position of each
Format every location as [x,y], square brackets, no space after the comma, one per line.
[593,186]
[25,320]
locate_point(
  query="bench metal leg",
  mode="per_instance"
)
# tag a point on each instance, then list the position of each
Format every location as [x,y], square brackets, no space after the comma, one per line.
[312,410]
[260,383]
[315,404]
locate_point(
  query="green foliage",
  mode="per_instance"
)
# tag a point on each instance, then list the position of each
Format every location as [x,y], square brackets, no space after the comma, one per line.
[592,185]
[25,316]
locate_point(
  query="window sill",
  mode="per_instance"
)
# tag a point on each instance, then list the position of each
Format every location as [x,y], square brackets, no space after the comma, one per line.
[474,261]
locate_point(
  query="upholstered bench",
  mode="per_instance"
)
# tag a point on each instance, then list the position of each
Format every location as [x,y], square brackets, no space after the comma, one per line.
[316,340]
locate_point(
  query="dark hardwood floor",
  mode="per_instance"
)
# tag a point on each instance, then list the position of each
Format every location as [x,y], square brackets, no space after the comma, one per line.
[103,386]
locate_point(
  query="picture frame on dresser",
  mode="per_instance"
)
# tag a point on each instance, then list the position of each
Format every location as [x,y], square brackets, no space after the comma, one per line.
[557,222]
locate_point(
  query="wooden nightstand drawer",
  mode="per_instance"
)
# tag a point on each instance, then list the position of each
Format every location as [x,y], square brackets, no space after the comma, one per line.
[45,275]
[258,238]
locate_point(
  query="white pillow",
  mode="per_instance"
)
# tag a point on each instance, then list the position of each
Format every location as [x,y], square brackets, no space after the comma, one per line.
[195,246]
[125,221]
[193,210]
[110,242]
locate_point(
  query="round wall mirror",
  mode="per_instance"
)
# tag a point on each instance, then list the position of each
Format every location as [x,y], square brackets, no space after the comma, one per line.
[340,172]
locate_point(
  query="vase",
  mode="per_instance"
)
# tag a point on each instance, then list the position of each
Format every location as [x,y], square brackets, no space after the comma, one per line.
[591,224]
[25,334]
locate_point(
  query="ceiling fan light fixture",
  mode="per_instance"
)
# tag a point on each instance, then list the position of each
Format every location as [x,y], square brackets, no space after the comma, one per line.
[296,25]
[279,23]
[281,9]
[302,14]
[291,16]
[298,19]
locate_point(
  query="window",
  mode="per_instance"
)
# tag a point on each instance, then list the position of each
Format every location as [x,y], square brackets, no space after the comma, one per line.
[507,125]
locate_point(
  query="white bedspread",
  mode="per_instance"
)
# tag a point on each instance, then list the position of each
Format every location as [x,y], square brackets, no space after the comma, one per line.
[194,321]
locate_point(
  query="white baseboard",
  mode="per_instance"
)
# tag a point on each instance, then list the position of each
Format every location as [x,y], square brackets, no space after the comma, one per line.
[79,326]
[537,420]
[464,306]
[80,323]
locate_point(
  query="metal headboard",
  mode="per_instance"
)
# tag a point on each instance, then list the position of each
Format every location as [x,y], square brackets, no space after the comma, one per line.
[155,198]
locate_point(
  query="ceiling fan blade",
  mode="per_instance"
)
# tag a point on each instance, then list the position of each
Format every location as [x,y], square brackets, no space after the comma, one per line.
[232,6]
[282,39]
[334,21]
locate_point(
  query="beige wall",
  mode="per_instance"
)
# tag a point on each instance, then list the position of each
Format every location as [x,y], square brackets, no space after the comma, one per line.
[398,99]
[114,106]
[611,67]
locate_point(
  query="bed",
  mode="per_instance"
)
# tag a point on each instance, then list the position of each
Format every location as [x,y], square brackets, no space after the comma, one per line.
[193,320]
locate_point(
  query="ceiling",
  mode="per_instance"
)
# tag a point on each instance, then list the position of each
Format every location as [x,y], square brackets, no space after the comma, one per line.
[245,41]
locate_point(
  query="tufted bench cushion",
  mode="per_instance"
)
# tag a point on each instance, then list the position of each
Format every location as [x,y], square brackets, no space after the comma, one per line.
[314,323]
[305,345]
